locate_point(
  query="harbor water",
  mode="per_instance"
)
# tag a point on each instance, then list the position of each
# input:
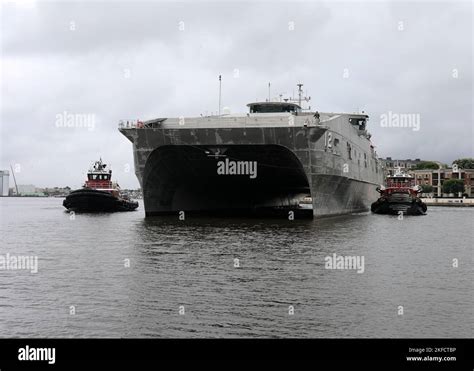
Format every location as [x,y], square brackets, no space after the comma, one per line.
[124,275]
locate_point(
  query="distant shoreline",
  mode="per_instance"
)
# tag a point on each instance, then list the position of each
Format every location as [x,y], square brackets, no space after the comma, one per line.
[456,202]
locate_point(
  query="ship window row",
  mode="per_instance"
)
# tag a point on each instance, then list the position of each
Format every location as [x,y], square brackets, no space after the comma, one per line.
[358,155]
[401,164]
[98,176]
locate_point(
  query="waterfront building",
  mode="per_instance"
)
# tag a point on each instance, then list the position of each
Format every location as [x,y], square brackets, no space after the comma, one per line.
[390,165]
[4,182]
[436,179]
[55,192]
[26,189]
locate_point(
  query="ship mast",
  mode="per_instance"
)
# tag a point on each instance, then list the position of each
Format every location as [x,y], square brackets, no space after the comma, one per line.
[300,92]
[301,98]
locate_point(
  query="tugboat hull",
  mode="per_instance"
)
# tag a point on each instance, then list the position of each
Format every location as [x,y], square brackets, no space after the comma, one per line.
[91,200]
[395,204]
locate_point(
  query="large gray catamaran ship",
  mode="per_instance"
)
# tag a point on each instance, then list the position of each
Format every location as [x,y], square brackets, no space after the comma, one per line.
[305,161]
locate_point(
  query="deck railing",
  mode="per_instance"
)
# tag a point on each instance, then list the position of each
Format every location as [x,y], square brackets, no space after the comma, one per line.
[131,124]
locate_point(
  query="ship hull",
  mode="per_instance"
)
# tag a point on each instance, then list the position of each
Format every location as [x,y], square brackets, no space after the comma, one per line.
[185,179]
[338,195]
[331,197]
[91,200]
[176,163]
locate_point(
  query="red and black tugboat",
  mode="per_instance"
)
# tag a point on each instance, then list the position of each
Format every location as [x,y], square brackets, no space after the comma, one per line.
[99,193]
[400,195]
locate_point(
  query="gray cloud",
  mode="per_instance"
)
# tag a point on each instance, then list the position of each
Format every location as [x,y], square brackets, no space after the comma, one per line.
[47,68]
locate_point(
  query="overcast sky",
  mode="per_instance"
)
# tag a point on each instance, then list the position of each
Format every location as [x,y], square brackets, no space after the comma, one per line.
[129,59]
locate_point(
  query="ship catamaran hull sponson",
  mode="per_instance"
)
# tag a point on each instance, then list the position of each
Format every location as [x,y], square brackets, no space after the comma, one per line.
[326,156]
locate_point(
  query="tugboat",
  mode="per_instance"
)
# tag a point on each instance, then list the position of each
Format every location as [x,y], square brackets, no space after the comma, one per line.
[99,193]
[400,195]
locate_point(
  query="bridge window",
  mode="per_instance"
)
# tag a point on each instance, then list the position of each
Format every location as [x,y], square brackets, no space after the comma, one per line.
[273,108]
[358,122]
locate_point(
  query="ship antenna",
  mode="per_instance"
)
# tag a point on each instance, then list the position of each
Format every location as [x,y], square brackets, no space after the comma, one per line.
[300,91]
[220,90]
[269,84]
